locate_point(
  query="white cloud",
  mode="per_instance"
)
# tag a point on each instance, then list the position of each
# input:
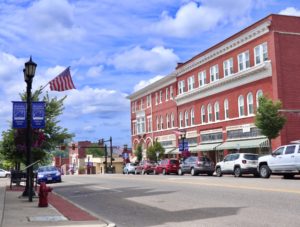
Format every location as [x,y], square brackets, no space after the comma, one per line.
[291,11]
[144,83]
[194,18]
[94,71]
[158,59]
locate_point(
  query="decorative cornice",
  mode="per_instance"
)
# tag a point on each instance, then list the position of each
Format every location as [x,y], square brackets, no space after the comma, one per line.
[250,75]
[229,46]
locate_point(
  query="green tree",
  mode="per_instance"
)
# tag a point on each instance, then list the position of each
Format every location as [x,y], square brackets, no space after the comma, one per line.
[13,147]
[268,118]
[95,150]
[151,151]
[139,153]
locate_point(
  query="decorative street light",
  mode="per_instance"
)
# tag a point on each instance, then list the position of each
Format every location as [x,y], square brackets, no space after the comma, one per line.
[29,72]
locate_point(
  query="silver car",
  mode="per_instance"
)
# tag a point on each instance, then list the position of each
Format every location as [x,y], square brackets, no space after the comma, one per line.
[129,168]
[4,173]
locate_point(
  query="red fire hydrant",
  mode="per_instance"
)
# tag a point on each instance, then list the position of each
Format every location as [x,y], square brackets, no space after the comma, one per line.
[43,195]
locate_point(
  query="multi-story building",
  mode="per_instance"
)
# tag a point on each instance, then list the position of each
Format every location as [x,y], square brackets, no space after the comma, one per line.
[213,96]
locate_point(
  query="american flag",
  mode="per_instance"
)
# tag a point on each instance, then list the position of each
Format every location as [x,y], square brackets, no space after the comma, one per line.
[62,82]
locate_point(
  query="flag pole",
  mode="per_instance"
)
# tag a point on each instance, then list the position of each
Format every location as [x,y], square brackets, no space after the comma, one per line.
[44,86]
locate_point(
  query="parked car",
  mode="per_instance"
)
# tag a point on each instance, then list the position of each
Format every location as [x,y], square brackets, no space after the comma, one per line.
[129,168]
[4,173]
[48,174]
[285,160]
[196,165]
[167,166]
[238,164]
[145,167]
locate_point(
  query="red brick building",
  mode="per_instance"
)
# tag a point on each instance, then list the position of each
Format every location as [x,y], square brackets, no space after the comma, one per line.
[213,96]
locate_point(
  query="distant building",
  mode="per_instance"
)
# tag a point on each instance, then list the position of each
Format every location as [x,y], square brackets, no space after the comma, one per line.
[212,98]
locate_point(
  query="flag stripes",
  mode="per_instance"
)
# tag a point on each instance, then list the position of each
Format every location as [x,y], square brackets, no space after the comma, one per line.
[62,82]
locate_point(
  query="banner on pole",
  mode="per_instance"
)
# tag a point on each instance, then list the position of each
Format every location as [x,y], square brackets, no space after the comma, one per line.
[19,114]
[38,115]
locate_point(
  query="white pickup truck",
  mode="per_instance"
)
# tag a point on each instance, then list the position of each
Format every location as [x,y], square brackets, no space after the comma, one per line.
[285,160]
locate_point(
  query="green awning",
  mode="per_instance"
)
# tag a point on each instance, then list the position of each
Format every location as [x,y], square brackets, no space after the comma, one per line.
[240,144]
[204,147]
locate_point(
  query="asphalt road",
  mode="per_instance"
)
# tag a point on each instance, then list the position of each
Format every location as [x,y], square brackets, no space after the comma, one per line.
[148,200]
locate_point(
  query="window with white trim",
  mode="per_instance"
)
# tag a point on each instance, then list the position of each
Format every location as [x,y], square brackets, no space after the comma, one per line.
[142,104]
[156,98]
[148,100]
[180,120]
[157,123]
[260,53]
[167,94]
[209,113]
[161,122]
[241,106]
[203,114]
[172,120]
[181,86]
[149,124]
[132,107]
[168,121]
[186,118]
[243,60]
[202,78]
[191,83]
[214,73]
[217,111]
[250,103]
[171,92]
[226,109]
[259,93]
[192,116]
[228,67]
[140,121]
[133,128]
[160,96]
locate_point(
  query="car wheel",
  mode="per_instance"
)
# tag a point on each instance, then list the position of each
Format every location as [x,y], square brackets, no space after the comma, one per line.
[180,172]
[218,172]
[264,171]
[193,173]
[237,172]
[164,172]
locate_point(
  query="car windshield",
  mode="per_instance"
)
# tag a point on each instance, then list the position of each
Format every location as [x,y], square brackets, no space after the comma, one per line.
[47,168]
[251,156]
[174,161]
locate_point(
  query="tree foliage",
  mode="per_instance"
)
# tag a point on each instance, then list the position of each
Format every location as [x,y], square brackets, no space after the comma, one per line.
[151,151]
[95,150]
[44,140]
[268,118]
[139,153]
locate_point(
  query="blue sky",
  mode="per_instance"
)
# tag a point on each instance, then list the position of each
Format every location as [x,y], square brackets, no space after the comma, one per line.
[114,48]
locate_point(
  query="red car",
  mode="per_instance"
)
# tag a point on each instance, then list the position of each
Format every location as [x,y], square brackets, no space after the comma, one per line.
[145,167]
[167,166]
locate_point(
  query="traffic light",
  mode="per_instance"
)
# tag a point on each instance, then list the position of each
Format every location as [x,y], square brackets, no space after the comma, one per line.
[101,142]
[73,146]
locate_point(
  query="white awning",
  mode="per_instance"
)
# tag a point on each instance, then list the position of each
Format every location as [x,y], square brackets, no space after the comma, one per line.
[204,147]
[240,144]
[171,150]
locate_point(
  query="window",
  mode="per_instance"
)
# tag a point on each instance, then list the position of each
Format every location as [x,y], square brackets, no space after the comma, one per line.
[140,125]
[290,149]
[226,109]
[133,128]
[191,83]
[156,98]
[142,104]
[209,113]
[259,93]
[241,106]
[260,53]
[180,120]
[217,111]
[160,96]
[149,124]
[172,120]
[157,123]
[171,92]
[181,86]
[214,73]
[167,94]
[148,100]
[161,122]
[279,151]
[202,78]
[132,107]
[186,118]
[243,60]
[203,114]
[250,103]
[192,117]
[228,67]
[168,120]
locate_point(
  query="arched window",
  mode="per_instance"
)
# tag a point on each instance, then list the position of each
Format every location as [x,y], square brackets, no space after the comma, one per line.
[172,120]
[217,111]
[203,114]
[168,121]
[161,122]
[180,120]
[250,103]
[186,118]
[192,117]
[241,106]
[226,109]
[259,93]
[209,113]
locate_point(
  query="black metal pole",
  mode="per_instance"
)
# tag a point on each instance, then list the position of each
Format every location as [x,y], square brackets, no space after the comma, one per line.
[110,140]
[105,151]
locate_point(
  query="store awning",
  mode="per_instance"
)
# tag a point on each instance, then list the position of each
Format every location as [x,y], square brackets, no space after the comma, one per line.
[241,144]
[171,150]
[204,147]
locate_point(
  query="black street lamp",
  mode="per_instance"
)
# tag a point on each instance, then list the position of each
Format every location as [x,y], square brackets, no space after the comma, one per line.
[29,72]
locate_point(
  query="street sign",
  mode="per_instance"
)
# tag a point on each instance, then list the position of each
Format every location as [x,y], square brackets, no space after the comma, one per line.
[19,115]
[184,146]
[38,115]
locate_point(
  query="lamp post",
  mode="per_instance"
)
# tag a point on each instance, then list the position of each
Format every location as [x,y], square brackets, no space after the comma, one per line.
[29,72]
[101,142]
[182,137]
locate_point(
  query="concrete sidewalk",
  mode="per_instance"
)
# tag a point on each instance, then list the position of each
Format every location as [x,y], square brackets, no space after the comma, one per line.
[17,211]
